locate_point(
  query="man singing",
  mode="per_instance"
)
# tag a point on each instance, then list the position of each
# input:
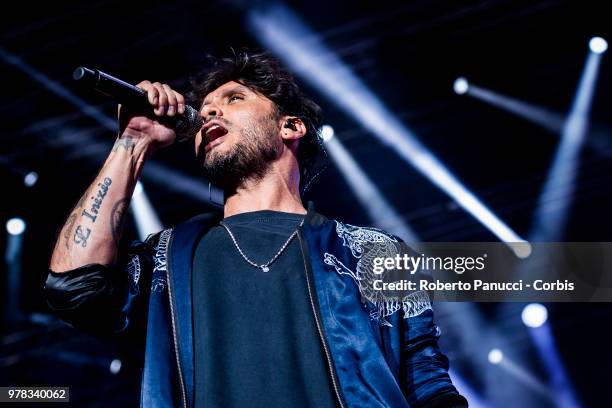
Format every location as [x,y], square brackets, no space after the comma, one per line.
[265,305]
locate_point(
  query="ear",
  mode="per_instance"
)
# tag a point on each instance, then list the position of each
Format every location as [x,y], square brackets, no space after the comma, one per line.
[292,128]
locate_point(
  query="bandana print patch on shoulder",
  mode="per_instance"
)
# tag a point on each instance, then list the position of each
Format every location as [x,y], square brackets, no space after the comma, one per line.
[365,245]
[133,269]
[158,283]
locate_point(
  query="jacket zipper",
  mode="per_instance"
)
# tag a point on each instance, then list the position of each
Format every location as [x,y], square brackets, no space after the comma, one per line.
[318,321]
[178,360]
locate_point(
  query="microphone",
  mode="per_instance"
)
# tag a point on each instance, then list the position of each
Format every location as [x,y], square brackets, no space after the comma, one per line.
[185,125]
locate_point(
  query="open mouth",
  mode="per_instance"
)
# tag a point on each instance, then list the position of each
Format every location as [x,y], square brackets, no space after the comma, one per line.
[214,136]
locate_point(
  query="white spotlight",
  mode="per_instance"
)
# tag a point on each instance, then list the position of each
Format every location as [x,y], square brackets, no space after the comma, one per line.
[521,249]
[138,189]
[598,45]
[147,221]
[327,132]
[15,226]
[534,315]
[461,85]
[495,356]
[115,366]
[30,179]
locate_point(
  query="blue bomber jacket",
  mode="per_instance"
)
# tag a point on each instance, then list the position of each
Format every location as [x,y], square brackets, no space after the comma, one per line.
[379,353]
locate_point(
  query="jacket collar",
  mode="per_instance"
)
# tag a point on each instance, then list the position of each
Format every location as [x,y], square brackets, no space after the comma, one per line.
[313,218]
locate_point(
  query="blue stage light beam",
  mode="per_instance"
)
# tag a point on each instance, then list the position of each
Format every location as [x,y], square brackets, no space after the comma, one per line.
[371,199]
[15,227]
[301,50]
[550,217]
[564,393]
[471,333]
[535,318]
[147,221]
[521,375]
[549,120]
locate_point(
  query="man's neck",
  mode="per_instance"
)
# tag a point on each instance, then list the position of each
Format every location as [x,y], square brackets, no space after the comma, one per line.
[272,192]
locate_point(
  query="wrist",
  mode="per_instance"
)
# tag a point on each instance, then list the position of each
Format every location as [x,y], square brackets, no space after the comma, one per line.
[130,154]
[137,149]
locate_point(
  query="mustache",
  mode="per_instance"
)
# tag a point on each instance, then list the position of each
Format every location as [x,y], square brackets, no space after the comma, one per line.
[217,118]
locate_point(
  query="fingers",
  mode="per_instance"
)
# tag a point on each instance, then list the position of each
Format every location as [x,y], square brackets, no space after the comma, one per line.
[171,97]
[152,93]
[164,99]
[180,100]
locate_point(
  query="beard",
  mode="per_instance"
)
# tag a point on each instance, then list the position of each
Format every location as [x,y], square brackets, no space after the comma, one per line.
[248,160]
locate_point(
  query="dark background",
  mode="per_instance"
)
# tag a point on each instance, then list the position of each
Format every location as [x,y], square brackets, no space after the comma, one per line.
[408,54]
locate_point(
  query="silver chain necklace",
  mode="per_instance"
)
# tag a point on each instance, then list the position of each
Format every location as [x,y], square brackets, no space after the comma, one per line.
[266,266]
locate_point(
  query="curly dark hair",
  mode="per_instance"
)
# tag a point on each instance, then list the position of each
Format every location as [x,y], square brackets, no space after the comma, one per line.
[264,74]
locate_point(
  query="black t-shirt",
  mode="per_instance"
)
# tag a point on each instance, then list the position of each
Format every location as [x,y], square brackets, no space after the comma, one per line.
[256,341]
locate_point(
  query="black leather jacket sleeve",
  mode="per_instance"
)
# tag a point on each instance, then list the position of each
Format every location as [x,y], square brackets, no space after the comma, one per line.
[104,300]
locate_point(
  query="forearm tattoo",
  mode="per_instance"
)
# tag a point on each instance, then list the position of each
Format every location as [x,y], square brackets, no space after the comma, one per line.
[92,214]
[81,233]
[117,218]
[124,142]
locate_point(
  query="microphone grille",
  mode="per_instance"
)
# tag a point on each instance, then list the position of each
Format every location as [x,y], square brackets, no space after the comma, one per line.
[188,125]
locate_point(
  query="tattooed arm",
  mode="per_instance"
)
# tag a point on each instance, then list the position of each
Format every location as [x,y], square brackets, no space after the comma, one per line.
[87,285]
[92,231]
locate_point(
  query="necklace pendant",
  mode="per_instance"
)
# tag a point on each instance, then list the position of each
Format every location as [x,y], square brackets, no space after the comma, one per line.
[265,268]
